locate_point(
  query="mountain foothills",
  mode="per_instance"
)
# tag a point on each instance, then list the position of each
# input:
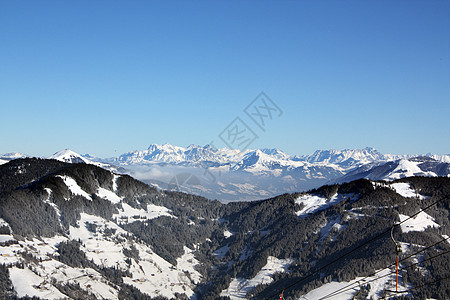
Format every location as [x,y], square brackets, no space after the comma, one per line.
[74,230]
[232,175]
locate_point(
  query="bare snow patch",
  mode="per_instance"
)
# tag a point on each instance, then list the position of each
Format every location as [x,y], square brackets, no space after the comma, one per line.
[115,177]
[419,223]
[130,214]
[407,168]
[108,195]
[227,233]
[27,283]
[6,238]
[55,207]
[74,187]
[314,203]
[239,287]
[331,227]
[376,288]
[404,189]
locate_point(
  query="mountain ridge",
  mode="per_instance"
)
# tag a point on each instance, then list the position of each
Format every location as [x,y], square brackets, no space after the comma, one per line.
[78,231]
[230,175]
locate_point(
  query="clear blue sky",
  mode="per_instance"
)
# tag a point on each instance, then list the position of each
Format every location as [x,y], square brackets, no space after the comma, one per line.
[106,77]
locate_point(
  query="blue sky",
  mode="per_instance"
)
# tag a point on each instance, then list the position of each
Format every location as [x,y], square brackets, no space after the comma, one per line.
[106,77]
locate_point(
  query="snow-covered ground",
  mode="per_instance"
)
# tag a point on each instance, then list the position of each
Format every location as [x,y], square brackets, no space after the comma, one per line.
[419,223]
[6,238]
[130,214]
[378,283]
[227,233]
[314,203]
[330,227]
[108,195]
[150,273]
[239,287]
[407,168]
[74,187]
[404,189]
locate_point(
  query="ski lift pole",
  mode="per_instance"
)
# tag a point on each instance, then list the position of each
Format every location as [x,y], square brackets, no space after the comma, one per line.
[398,249]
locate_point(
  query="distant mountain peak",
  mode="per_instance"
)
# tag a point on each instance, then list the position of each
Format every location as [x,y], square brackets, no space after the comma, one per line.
[68,156]
[13,155]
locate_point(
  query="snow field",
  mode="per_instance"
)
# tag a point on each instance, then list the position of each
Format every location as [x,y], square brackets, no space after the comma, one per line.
[405,190]
[419,223]
[129,214]
[377,286]
[314,203]
[150,273]
[108,195]
[239,287]
[408,168]
[74,187]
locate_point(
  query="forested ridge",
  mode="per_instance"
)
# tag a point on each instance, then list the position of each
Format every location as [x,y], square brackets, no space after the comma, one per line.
[257,229]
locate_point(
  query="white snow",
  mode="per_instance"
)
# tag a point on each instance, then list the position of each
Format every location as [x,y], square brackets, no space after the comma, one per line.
[55,207]
[27,283]
[404,189]
[68,156]
[187,262]
[6,238]
[3,161]
[155,276]
[101,250]
[332,226]
[419,223]
[108,195]
[407,168]
[314,203]
[115,177]
[227,233]
[74,187]
[375,292]
[13,155]
[3,223]
[130,214]
[149,273]
[239,287]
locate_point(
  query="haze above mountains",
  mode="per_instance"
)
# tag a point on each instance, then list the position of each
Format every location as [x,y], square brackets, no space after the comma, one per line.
[232,175]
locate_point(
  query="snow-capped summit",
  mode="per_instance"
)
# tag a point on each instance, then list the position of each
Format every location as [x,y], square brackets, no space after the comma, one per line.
[69,156]
[72,157]
[345,158]
[401,168]
[276,153]
[170,154]
[12,155]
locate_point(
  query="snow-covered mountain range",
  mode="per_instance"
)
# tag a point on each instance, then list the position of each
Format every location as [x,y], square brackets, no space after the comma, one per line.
[230,175]
[77,231]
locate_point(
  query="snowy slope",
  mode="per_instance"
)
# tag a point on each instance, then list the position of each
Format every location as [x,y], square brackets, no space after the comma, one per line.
[168,244]
[415,166]
[345,158]
[72,157]
[12,155]
[69,156]
[239,287]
